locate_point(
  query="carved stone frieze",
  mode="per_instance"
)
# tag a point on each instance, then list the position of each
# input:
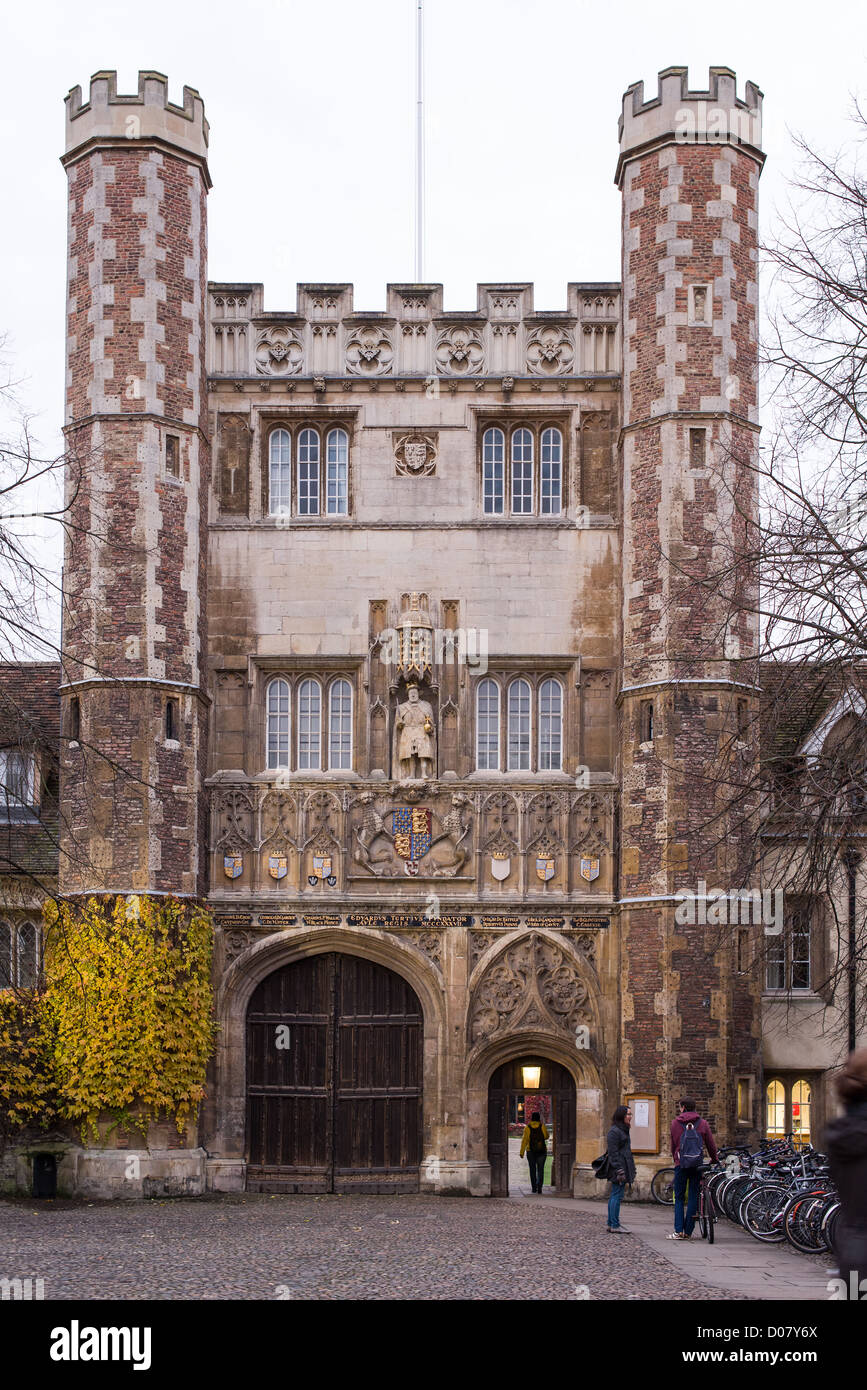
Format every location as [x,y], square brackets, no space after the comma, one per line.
[369,351]
[550,351]
[459,351]
[534,983]
[279,351]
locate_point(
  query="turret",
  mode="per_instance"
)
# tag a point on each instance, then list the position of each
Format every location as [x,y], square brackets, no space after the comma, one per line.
[688,170]
[136,432]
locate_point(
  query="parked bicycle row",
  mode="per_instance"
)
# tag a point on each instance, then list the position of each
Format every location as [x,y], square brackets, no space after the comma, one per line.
[778,1193]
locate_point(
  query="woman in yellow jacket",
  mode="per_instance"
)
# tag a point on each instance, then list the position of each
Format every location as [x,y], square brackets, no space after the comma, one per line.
[534,1143]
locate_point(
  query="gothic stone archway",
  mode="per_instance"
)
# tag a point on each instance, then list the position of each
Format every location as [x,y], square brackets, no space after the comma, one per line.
[507,1081]
[334,1079]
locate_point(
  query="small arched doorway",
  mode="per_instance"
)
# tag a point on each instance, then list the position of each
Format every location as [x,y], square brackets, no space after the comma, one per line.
[510,1093]
[334,1079]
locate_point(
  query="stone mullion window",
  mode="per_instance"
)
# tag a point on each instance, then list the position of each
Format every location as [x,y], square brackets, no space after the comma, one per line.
[337,473]
[340,725]
[488,726]
[522,452]
[493,472]
[551,472]
[550,726]
[308,473]
[278,704]
[19,955]
[279,473]
[520,726]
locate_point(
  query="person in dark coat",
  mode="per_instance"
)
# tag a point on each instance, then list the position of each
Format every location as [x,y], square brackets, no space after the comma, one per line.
[846,1146]
[621,1165]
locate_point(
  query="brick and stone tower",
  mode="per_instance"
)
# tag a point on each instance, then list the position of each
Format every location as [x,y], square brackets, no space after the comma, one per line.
[136,431]
[689,170]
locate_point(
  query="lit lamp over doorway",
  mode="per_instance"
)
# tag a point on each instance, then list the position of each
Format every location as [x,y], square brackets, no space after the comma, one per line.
[531,1077]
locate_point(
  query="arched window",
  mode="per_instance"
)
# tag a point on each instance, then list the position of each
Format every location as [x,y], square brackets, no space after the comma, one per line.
[493,456]
[309,720]
[308,473]
[775,1105]
[280,463]
[488,726]
[522,472]
[551,479]
[801,1099]
[278,723]
[550,726]
[340,724]
[5,955]
[519,726]
[28,955]
[337,473]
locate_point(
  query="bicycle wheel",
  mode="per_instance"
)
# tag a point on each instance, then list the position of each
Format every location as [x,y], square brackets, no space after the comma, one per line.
[760,1214]
[710,1222]
[702,1224]
[662,1187]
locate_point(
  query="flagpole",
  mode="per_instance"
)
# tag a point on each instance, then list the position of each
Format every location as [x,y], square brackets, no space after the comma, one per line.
[419,149]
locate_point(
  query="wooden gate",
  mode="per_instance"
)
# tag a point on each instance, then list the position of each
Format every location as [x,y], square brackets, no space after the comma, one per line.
[507,1081]
[337,1107]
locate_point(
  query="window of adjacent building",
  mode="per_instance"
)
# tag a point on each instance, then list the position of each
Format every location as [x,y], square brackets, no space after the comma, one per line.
[340,725]
[172,723]
[788,958]
[309,725]
[775,1110]
[646,722]
[19,955]
[18,785]
[550,726]
[788,1108]
[522,473]
[493,472]
[173,456]
[744,1100]
[280,473]
[488,726]
[277,700]
[520,702]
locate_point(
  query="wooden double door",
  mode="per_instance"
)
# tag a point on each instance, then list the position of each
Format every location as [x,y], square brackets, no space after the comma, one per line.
[506,1082]
[334,1079]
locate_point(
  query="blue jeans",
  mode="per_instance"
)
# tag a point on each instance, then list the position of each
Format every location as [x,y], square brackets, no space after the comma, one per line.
[537,1169]
[617,1190]
[683,1181]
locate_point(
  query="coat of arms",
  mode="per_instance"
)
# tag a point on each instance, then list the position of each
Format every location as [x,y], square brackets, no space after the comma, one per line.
[589,869]
[546,866]
[501,865]
[233,865]
[322,871]
[278,865]
[411,828]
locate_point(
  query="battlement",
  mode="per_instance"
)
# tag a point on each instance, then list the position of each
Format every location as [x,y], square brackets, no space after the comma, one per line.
[504,335]
[109,117]
[717,116]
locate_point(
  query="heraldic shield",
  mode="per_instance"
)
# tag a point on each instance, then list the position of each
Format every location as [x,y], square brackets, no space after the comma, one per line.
[546,868]
[589,869]
[233,865]
[411,827]
[501,865]
[322,871]
[278,865]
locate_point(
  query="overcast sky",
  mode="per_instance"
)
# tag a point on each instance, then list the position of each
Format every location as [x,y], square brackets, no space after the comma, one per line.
[312,110]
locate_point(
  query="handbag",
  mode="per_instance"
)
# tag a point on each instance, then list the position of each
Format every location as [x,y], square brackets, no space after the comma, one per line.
[602,1167]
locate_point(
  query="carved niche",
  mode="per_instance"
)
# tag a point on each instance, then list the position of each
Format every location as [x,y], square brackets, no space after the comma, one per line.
[597,444]
[535,983]
[279,352]
[459,351]
[233,465]
[550,351]
[369,351]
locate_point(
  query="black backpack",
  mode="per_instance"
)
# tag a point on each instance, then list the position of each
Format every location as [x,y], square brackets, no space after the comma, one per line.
[537,1140]
[691,1151]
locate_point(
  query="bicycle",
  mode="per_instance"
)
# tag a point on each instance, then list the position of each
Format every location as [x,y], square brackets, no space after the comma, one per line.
[662,1187]
[705,1206]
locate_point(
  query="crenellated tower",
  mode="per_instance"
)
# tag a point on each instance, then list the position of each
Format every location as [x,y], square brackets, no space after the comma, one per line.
[135,708]
[688,171]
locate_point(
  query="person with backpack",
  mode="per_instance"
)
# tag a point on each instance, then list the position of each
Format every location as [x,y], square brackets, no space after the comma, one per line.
[621,1165]
[534,1143]
[689,1135]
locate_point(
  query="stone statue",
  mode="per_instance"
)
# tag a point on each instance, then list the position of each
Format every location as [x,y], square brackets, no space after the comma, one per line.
[416,739]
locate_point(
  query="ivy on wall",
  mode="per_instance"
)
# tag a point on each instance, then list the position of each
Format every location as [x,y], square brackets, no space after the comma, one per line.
[124,1024]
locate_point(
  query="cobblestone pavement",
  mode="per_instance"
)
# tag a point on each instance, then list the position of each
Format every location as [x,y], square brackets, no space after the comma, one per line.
[261,1247]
